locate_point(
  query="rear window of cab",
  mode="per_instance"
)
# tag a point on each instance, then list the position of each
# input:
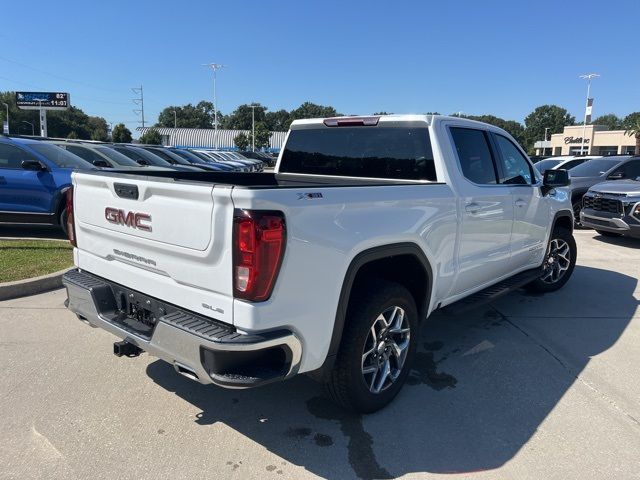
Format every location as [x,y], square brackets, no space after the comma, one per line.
[398,153]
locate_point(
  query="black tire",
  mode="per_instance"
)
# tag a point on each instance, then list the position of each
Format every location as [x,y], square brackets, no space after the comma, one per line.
[577,208]
[608,234]
[545,284]
[63,220]
[346,384]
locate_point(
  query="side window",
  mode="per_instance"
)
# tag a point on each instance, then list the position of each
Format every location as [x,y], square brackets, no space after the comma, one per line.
[515,169]
[571,163]
[12,157]
[632,169]
[83,153]
[474,155]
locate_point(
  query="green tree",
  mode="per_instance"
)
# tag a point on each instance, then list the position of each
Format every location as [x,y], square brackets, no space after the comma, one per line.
[98,128]
[121,134]
[72,134]
[277,121]
[151,137]
[553,117]
[241,118]
[631,125]
[189,116]
[241,141]
[263,136]
[17,116]
[311,110]
[610,120]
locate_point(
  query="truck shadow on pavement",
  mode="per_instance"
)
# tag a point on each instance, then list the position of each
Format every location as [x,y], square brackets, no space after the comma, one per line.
[482,385]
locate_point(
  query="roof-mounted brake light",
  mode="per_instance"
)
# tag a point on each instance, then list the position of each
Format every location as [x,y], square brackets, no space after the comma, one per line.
[351,121]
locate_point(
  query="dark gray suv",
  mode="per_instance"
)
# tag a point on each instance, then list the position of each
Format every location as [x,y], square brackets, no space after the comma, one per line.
[598,170]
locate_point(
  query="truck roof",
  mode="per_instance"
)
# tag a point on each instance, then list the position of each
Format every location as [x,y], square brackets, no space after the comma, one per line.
[408,117]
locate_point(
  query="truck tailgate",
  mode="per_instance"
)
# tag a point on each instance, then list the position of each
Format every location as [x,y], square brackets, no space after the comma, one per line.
[165,238]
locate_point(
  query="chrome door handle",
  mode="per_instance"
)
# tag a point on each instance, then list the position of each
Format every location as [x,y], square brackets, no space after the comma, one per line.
[472,208]
[521,203]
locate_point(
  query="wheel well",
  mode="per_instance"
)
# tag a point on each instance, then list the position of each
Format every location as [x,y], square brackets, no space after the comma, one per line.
[406,270]
[564,222]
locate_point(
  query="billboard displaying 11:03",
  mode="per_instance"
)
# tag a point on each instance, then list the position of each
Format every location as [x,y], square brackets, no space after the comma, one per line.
[46,100]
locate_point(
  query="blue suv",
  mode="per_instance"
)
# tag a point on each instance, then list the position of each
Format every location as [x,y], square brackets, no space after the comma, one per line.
[34,177]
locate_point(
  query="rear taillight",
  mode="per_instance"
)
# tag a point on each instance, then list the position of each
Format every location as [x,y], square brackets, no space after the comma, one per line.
[259,238]
[71,223]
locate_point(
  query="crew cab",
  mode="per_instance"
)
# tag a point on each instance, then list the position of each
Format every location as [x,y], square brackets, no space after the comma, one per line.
[326,266]
[34,176]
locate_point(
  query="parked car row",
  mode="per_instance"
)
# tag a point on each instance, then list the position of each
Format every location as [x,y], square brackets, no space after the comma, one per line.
[605,191]
[35,173]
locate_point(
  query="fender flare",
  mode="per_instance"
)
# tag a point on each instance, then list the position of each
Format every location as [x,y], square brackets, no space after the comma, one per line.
[562,214]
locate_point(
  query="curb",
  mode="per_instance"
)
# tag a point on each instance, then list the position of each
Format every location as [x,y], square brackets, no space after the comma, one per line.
[32,286]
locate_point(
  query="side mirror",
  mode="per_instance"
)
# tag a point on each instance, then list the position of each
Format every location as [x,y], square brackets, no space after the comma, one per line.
[556,178]
[616,176]
[33,165]
[101,164]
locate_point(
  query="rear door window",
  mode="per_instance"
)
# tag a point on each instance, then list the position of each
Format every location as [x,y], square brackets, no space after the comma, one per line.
[371,152]
[474,155]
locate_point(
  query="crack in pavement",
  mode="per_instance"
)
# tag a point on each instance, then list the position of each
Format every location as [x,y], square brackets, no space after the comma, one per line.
[571,372]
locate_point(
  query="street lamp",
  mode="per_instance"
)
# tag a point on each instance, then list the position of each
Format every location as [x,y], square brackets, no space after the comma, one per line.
[33,131]
[588,78]
[215,67]
[7,105]
[253,126]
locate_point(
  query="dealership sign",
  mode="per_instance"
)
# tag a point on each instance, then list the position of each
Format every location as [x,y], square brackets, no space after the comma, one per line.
[42,100]
[570,140]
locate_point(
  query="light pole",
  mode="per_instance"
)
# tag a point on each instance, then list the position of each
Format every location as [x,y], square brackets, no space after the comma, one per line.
[175,126]
[215,67]
[7,106]
[33,130]
[253,127]
[588,78]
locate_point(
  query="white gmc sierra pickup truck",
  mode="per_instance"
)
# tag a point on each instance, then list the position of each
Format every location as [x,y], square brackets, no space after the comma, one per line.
[327,266]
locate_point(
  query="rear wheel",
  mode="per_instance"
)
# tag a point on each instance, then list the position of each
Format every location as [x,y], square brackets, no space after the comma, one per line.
[559,262]
[608,234]
[377,350]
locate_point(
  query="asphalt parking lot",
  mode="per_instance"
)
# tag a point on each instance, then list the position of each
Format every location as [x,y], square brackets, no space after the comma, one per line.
[530,386]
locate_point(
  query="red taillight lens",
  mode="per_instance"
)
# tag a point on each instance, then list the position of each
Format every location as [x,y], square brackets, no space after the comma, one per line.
[259,239]
[71,223]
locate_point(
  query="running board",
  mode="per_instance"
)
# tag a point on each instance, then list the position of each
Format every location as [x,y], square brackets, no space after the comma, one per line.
[492,293]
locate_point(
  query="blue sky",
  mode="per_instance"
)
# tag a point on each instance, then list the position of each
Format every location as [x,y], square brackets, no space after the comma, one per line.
[498,57]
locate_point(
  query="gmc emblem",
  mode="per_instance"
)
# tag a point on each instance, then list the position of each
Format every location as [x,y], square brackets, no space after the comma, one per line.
[141,221]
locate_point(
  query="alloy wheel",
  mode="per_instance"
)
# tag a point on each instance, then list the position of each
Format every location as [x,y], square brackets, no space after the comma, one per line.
[385,349]
[557,261]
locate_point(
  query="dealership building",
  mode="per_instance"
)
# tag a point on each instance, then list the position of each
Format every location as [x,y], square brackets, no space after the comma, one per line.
[597,141]
[209,138]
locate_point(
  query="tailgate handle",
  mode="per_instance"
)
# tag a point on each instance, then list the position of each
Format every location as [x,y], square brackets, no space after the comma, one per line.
[124,190]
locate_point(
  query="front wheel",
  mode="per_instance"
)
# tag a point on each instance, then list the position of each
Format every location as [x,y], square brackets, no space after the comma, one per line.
[63,221]
[559,262]
[577,208]
[379,341]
